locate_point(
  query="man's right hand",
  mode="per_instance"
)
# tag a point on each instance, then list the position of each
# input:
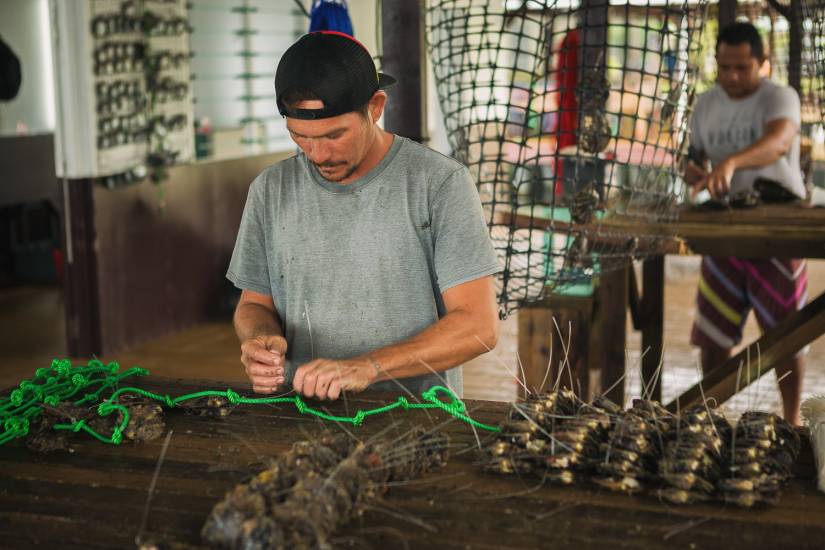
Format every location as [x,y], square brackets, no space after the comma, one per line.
[695,177]
[263,361]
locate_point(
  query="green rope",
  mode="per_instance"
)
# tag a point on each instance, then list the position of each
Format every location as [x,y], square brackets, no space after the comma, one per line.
[62,382]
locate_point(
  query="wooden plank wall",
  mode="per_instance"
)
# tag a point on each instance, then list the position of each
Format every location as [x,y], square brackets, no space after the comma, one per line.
[160,252]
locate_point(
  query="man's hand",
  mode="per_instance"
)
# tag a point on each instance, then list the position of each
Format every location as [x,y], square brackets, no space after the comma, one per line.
[717,181]
[263,360]
[694,173]
[327,378]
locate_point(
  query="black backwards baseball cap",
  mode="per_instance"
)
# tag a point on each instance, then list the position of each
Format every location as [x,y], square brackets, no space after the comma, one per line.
[333,66]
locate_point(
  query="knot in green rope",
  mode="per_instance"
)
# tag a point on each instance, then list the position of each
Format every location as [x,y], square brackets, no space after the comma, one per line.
[42,372]
[403,402]
[78,380]
[52,400]
[16,398]
[455,404]
[113,367]
[51,380]
[232,397]
[34,389]
[17,426]
[26,386]
[300,405]
[62,367]
[359,417]
[106,408]
[96,364]
[117,435]
[77,426]
[139,371]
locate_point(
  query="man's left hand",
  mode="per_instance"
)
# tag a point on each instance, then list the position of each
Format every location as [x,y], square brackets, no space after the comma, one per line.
[718,180]
[327,378]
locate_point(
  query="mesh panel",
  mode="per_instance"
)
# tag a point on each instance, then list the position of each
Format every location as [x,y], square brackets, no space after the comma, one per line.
[813,60]
[572,117]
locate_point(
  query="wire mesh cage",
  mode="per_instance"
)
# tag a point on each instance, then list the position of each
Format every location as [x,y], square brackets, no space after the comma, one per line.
[813,60]
[572,118]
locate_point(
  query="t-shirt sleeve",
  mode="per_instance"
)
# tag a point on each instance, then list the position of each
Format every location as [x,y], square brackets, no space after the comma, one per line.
[462,248]
[248,268]
[782,102]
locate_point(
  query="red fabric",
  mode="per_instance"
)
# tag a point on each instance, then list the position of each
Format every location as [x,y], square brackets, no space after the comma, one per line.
[567,78]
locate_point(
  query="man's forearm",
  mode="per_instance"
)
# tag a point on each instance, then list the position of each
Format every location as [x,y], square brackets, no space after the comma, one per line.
[774,143]
[253,320]
[454,339]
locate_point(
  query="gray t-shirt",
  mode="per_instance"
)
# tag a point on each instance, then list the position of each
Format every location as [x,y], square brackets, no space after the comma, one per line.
[722,126]
[356,267]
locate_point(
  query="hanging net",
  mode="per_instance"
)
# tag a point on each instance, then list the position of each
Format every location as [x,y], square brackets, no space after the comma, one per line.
[572,118]
[813,63]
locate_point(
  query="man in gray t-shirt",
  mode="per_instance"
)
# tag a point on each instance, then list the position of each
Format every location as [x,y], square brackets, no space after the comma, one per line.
[364,260]
[748,128]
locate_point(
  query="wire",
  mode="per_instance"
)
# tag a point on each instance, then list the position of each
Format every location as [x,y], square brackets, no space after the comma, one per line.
[302,8]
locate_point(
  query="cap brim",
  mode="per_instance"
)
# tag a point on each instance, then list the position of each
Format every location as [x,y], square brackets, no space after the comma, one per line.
[385,81]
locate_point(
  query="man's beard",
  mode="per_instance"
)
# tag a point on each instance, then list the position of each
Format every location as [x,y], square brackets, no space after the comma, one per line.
[347,173]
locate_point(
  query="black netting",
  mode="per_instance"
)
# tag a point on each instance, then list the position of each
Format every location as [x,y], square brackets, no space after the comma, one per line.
[572,117]
[813,60]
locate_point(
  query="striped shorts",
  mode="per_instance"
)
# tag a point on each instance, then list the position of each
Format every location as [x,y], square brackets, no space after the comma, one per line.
[729,287]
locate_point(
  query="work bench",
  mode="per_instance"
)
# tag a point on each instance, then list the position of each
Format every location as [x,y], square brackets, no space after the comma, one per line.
[93,496]
[765,231]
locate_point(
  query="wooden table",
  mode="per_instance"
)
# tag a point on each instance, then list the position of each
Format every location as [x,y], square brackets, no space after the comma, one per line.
[767,231]
[93,497]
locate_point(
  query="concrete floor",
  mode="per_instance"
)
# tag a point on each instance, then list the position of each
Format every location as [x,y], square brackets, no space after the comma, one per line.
[32,332]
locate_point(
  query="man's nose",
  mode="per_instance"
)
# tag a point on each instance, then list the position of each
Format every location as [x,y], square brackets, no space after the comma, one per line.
[317,152]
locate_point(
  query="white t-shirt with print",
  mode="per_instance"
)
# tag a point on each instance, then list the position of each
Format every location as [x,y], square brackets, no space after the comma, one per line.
[722,126]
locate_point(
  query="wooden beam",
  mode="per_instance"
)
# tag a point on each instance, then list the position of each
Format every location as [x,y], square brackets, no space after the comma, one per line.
[541,345]
[798,231]
[774,347]
[634,300]
[80,280]
[727,13]
[610,327]
[402,36]
[652,324]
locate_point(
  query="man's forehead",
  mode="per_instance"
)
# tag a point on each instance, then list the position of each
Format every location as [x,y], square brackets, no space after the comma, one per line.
[734,51]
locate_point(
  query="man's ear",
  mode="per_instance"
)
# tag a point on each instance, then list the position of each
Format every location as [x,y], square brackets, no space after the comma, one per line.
[376,105]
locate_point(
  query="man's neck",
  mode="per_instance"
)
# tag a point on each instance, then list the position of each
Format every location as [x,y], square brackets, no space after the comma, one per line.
[747,94]
[379,148]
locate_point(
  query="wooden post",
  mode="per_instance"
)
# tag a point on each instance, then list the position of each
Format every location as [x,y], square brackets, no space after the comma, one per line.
[402,36]
[774,347]
[727,13]
[793,14]
[610,328]
[545,331]
[80,282]
[652,317]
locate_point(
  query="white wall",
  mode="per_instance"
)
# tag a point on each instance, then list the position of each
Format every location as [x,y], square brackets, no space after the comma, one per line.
[366,23]
[362,13]
[24,26]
